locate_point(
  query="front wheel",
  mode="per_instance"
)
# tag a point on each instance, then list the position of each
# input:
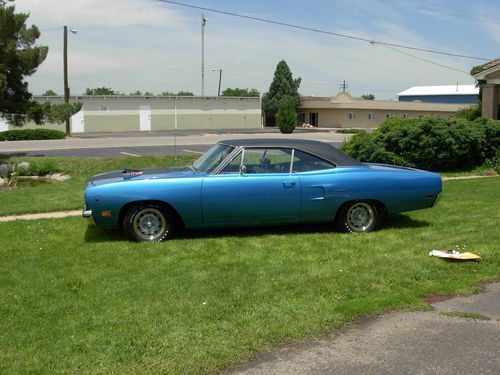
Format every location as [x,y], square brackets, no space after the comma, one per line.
[148,222]
[358,217]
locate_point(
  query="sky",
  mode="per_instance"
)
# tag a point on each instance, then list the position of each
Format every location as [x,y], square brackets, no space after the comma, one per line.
[149,45]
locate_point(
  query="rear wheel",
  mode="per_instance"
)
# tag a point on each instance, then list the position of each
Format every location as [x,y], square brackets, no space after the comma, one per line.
[148,222]
[359,217]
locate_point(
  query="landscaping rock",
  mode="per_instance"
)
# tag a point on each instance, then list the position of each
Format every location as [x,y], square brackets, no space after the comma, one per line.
[2,182]
[58,177]
[23,166]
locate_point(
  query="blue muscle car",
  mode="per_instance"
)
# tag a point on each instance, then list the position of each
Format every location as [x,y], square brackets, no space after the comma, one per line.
[256,182]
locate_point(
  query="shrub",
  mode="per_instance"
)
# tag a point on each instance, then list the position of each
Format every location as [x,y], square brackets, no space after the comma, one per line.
[494,162]
[31,134]
[429,143]
[42,167]
[363,147]
[469,113]
[286,117]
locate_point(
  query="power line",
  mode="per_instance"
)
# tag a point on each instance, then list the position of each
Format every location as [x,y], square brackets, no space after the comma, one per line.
[427,61]
[371,41]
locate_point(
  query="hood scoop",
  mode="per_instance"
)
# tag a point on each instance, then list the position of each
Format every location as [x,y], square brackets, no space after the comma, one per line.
[131,173]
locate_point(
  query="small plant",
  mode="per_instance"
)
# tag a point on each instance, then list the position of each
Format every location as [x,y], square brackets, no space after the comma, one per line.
[350,131]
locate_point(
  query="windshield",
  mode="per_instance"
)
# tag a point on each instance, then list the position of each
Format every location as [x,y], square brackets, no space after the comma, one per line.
[212,158]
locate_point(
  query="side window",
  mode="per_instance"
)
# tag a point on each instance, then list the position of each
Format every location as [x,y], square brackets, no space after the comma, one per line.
[267,160]
[304,162]
[233,166]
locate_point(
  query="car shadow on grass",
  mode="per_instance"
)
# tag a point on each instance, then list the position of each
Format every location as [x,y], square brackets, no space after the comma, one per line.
[113,234]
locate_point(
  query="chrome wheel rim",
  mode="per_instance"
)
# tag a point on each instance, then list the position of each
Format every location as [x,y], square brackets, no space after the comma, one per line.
[360,217]
[150,224]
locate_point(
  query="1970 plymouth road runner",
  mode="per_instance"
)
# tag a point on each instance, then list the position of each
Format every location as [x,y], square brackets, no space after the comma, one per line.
[257,182]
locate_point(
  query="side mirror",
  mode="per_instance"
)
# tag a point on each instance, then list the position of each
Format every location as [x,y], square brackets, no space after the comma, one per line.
[243,169]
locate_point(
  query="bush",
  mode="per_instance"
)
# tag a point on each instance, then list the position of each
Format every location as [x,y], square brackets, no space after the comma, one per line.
[433,143]
[469,113]
[429,143]
[31,134]
[494,162]
[42,168]
[362,146]
[286,117]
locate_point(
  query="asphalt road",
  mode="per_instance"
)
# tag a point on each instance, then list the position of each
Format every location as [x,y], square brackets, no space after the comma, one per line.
[138,144]
[400,343]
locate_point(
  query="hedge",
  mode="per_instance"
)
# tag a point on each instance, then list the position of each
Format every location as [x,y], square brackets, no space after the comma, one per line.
[31,134]
[431,143]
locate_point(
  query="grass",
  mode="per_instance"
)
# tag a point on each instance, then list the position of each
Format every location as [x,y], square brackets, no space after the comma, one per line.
[78,299]
[69,194]
[464,315]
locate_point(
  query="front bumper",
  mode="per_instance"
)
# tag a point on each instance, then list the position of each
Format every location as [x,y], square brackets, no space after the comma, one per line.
[87,214]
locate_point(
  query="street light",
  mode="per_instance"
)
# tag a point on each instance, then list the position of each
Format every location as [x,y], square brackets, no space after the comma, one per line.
[203,22]
[220,78]
[65,63]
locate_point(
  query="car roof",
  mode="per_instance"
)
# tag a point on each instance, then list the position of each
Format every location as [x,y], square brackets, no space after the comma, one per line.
[323,150]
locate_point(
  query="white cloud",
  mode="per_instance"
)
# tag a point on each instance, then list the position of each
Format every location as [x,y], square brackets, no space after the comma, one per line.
[109,13]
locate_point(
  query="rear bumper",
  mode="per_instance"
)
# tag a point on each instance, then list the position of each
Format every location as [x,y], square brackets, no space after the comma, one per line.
[438,198]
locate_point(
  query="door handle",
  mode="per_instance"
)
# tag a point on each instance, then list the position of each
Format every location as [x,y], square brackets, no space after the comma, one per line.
[289,184]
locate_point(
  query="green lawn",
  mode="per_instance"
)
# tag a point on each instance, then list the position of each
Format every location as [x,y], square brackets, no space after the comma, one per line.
[78,299]
[69,194]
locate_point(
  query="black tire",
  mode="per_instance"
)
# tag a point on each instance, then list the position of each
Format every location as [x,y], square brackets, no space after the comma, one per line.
[148,222]
[358,217]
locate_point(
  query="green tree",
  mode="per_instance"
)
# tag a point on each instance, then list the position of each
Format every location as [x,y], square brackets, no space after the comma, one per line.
[185,93]
[368,97]
[101,91]
[148,93]
[286,117]
[283,86]
[19,57]
[136,93]
[49,93]
[240,92]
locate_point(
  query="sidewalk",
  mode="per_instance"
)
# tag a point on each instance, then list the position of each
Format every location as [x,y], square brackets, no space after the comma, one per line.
[442,341]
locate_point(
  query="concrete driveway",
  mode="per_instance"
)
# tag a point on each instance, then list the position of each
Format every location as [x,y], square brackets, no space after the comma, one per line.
[401,343]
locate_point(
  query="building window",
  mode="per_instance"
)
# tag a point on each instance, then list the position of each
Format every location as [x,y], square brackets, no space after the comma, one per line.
[389,115]
[301,117]
[103,108]
[351,115]
[313,118]
[371,116]
[405,115]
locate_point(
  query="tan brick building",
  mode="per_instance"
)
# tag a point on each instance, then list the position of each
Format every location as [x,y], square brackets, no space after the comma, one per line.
[345,111]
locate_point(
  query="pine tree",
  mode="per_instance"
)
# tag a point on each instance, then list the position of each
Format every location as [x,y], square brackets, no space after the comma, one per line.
[282,87]
[19,57]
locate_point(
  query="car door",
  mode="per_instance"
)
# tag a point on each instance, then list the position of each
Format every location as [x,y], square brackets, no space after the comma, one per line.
[256,187]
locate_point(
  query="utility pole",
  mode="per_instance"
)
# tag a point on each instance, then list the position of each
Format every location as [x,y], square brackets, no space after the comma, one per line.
[343,86]
[65,64]
[203,22]
[66,88]
[220,79]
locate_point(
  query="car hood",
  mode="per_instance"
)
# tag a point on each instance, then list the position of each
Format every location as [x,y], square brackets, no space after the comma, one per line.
[136,174]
